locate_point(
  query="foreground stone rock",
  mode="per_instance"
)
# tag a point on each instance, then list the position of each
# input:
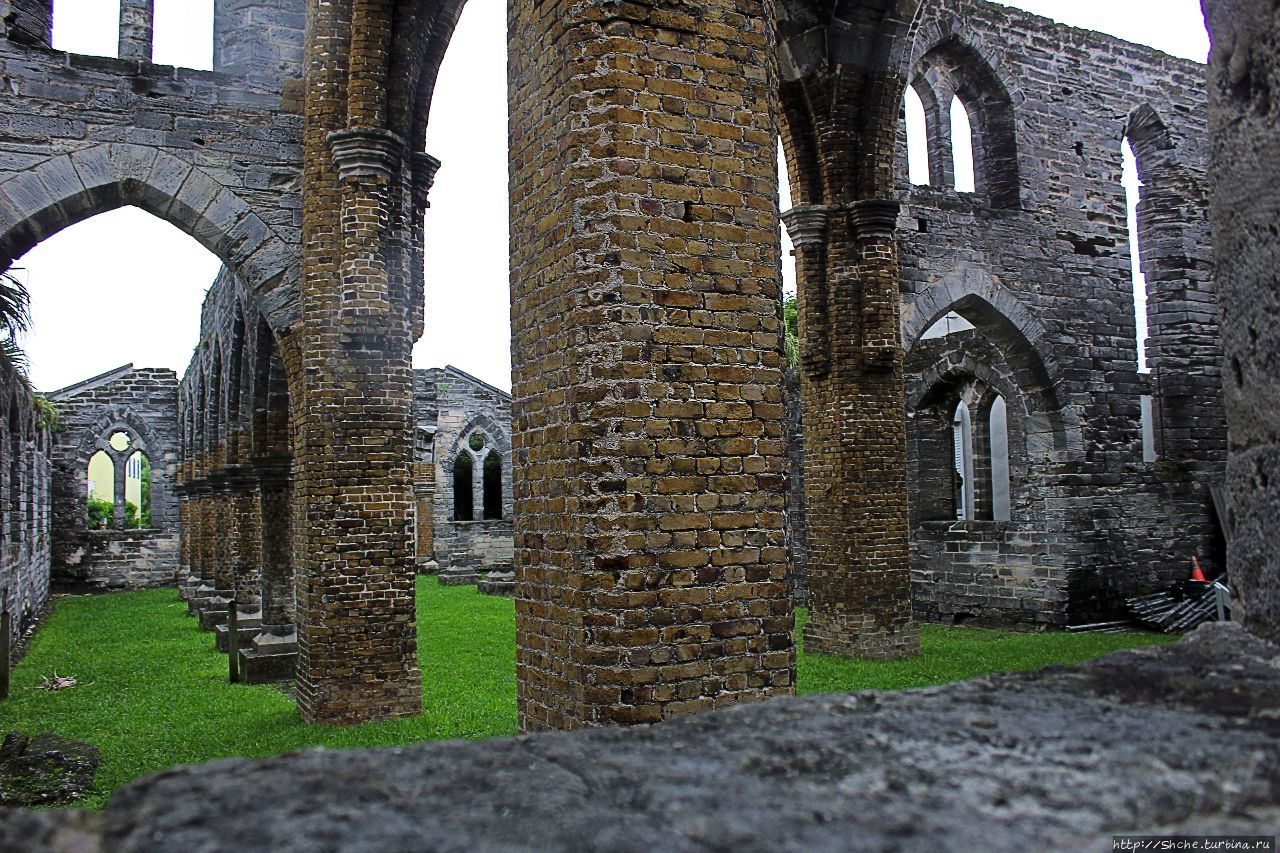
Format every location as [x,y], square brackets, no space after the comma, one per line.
[1181,739]
[45,769]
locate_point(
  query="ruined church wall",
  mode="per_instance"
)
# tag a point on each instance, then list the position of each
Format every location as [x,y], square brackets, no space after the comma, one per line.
[143,403]
[218,155]
[1045,275]
[25,475]
[463,404]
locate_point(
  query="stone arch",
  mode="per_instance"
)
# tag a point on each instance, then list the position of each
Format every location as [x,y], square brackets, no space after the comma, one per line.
[950,64]
[67,189]
[500,435]
[1021,339]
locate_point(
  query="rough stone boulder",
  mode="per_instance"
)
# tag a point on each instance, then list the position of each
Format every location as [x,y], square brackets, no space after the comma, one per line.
[1182,739]
[45,769]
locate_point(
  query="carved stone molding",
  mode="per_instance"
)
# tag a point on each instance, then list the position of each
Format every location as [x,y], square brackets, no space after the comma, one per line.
[424,176]
[361,152]
[807,224]
[874,218]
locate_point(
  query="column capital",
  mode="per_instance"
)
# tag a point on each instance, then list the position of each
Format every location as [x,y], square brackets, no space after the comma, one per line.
[874,218]
[807,224]
[364,152]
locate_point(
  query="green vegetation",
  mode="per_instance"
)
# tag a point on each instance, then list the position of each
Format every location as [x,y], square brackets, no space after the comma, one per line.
[47,415]
[15,319]
[99,515]
[955,654]
[791,331]
[152,692]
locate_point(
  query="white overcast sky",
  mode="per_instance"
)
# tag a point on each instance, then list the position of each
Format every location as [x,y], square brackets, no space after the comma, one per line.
[124,286]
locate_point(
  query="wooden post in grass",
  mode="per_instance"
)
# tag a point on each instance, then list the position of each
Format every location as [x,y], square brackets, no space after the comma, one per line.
[5,626]
[233,641]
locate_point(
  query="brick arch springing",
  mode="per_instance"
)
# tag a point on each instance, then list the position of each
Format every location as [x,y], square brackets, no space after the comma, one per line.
[69,188]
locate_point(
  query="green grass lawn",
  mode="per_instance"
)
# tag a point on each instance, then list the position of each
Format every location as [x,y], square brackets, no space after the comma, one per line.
[153,693]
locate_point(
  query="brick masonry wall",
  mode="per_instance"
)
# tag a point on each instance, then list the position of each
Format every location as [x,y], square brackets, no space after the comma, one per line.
[143,403]
[217,155]
[650,558]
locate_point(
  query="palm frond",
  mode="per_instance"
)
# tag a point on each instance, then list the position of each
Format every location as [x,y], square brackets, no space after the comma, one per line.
[15,305]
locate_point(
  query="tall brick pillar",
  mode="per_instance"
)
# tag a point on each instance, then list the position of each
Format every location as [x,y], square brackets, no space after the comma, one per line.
[649,455]
[357,643]
[855,448]
[246,536]
[276,526]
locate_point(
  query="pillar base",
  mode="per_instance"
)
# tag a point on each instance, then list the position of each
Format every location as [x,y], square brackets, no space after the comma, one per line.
[858,637]
[458,576]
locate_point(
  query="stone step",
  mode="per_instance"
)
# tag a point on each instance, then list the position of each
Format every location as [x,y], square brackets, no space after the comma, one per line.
[204,597]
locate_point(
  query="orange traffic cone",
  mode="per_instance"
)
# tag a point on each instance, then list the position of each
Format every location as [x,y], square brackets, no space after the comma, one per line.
[1196,573]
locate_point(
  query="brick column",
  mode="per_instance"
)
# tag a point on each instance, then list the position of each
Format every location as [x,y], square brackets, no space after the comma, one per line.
[246,536]
[221,530]
[424,492]
[855,453]
[357,636]
[648,449]
[137,22]
[276,527]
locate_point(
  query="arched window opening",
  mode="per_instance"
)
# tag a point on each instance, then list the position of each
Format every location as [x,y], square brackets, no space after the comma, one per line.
[1149,452]
[1133,193]
[917,139]
[100,514]
[962,147]
[137,491]
[998,426]
[463,502]
[962,443]
[492,486]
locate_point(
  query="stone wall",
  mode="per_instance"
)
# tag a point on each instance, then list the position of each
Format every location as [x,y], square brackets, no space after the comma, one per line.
[465,406]
[1244,76]
[143,404]
[1037,259]
[217,155]
[25,477]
